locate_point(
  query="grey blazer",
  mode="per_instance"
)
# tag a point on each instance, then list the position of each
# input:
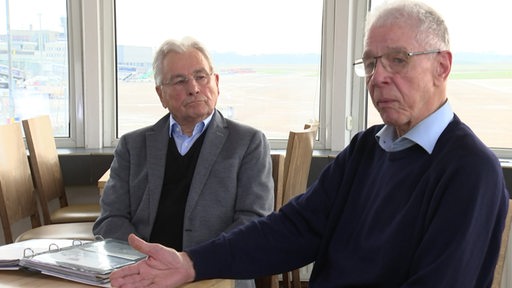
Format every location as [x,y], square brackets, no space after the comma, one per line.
[231,186]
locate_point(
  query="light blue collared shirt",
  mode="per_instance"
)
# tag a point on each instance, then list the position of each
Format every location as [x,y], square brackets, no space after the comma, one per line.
[183,141]
[424,133]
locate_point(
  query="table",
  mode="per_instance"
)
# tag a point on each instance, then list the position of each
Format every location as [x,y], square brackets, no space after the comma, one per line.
[103,180]
[22,278]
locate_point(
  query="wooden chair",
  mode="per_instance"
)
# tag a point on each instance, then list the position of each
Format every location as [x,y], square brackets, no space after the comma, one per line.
[48,178]
[277,175]
[17,199]
[498,271]
[299,152]
[290,174]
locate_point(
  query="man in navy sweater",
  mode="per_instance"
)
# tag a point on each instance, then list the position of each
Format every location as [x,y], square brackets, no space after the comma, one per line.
[417,202]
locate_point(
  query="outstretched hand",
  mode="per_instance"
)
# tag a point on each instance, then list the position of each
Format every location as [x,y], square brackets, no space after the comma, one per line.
[164,267]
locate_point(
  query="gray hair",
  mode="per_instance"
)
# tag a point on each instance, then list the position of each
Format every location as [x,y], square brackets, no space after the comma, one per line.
[432,30]
[175,46]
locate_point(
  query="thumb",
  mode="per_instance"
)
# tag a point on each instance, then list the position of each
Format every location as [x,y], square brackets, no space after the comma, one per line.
[139,244]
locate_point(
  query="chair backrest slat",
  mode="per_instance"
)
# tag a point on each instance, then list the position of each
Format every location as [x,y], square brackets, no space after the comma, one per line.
[44,160]
[498,271]
[290,173]
[16,187]
[277,176]
[299,152]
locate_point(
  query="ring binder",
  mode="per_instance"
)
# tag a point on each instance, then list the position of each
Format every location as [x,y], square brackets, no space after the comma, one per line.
[32,253]
[98,237]
[83,261]
[90,263]
[56,247]
[51,247]
[11,254]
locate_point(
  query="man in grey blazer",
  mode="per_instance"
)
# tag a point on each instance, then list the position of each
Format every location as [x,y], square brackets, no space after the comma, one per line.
[194,174]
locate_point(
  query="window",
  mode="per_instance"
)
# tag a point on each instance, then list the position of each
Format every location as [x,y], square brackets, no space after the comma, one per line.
[266,52]
[315,80]
[34,62]
[480,83]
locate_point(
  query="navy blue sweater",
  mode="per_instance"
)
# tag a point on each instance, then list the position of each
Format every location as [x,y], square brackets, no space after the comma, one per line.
[380,219]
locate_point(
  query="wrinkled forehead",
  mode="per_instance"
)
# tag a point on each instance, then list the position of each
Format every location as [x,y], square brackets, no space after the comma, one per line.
[184,62]
[388,37]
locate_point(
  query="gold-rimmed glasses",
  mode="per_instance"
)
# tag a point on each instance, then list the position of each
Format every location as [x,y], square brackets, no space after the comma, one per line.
[393,61]
[201,77]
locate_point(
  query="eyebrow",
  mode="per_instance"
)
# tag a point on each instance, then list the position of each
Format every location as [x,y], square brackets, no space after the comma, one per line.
[199,70]
[368,53]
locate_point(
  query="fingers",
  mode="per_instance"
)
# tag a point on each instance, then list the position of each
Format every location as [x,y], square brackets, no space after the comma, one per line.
[138,244]
[131,282]
[124,272]
[164,267]
[155,252]
[129,274]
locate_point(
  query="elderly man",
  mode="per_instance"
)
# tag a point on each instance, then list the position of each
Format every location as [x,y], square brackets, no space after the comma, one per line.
[417,202]
[194,174]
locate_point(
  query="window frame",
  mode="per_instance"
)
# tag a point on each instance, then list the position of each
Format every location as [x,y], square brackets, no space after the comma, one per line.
[75,66]
[342,94]
[75,75]
[331,136]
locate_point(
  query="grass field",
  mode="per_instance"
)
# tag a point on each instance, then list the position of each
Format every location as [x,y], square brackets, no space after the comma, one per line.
[478,71]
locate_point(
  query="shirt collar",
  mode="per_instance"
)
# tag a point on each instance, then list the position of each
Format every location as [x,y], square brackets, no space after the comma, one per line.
[174,127]
[424,133]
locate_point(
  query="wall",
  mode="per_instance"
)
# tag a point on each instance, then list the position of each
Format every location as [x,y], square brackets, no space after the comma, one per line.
[85,168]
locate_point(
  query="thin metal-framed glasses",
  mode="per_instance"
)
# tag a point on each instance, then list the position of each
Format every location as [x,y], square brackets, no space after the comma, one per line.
[394,61]
[201,77]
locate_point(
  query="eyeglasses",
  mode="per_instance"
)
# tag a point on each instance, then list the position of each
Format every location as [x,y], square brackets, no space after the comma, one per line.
[394,61]
[201,77]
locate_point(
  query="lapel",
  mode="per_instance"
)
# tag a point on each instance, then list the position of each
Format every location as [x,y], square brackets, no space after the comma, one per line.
[216,135]
[157,140]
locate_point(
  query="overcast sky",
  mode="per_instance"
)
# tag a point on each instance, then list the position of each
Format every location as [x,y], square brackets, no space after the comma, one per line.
[474,25]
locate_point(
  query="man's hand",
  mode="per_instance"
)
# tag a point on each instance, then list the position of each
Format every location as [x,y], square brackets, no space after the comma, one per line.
[164,267]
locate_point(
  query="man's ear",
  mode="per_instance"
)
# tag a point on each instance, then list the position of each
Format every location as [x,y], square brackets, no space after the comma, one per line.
[444,65]
[159,91]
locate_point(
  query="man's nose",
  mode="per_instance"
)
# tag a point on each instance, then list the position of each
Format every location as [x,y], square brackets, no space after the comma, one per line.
[380,70]
[192,86]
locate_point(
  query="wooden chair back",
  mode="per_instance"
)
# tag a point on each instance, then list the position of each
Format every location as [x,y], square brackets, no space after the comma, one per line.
[299,152]
[17,200]
[290,173]
[277,175]
[498,271]
[47,174]
[44,162]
